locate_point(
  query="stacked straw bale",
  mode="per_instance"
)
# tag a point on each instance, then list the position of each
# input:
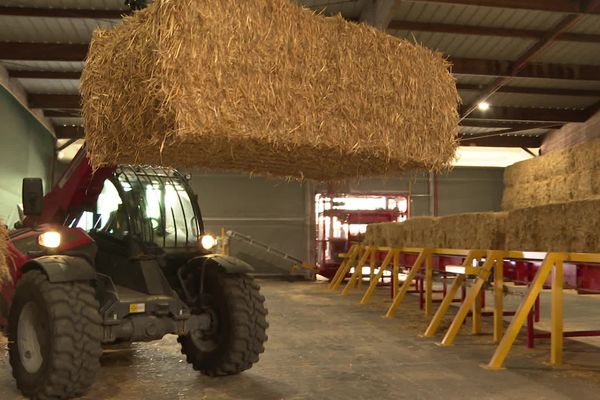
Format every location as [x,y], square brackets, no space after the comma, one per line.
[566,227]
[483,230]
[459,231]
[557,177]
[265,86]
[4,272]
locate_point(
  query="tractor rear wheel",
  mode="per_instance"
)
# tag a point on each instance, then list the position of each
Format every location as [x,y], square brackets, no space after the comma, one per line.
[235,336]
[54,337]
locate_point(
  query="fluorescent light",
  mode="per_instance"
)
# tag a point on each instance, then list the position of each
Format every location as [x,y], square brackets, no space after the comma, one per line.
[483,106]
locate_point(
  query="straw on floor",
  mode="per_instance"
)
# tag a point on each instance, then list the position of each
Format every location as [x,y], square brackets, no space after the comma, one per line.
[267,87]
[4,273]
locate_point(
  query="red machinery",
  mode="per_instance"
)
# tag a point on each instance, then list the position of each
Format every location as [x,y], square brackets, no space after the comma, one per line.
[119,255]
[342,219]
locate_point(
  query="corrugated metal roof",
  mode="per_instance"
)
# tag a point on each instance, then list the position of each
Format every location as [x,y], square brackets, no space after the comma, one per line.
[62,66]
[541,101]
[469,46]
[348,8]
[49,30]
[67,121]
[571,53]
[588,24]
[476,15]
[50,86]
[555,83]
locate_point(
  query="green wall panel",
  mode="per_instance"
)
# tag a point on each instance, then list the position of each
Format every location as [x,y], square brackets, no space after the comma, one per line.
[26,150]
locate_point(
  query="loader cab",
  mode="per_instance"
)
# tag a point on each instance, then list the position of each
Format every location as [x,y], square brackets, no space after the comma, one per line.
[152,206]
[142,212]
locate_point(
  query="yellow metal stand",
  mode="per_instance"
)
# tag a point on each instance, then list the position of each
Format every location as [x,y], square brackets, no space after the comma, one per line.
[556,333]
[552,260]
[473,299]
[392,254]
[345,267]
[429,284]
[354,278]
[450,295]
[424,255]
[498,300]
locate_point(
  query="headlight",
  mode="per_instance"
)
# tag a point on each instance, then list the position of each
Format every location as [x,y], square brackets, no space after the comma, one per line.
[50,239]
[208,242]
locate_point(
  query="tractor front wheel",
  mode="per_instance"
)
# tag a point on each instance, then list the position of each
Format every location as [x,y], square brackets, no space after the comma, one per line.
[234,336]
[54,337]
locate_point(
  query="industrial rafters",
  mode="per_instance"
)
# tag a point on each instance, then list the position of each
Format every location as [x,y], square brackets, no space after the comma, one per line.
[522,62]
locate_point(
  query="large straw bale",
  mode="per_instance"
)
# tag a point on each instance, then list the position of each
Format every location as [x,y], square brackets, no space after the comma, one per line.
[4,272]
[571,226]
[421,232]
[484,230]
[557,177]
[265,86]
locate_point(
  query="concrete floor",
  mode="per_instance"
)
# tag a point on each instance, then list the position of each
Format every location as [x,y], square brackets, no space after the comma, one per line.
[325,346]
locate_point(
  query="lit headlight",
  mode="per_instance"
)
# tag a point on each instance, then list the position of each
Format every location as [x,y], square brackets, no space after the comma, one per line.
[208,242]
[50,239]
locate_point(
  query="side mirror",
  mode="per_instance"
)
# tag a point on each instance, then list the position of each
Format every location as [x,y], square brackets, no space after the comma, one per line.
[33,197]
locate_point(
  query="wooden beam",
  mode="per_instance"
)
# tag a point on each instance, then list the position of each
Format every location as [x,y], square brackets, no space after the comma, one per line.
[69,113]
[564,6]
[62,12]
[464,66]
[488,31]
[535,90]
[528,114]
[502,141]
[68,132]
[42,51]
[54,101]
[499,124]
[473,66]
[32,74]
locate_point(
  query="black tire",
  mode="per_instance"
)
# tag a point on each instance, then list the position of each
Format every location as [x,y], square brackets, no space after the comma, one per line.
[238,337]
[69,333]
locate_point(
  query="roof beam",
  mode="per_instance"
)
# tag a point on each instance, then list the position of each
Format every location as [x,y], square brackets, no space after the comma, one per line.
[527,114]
[68,113]
[500,124]
[32,74]
[62,12]
[68,132]
[565,6]
[378,13]
[466,66]
[42,51]
[488,31]
[535,90]
[473,66]
[54,101]
[501,140]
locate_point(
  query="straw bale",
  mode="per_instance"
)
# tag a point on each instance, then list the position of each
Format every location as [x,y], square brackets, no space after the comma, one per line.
[374,235]
[484,230]
[265,86]
[4,272]
[571,226]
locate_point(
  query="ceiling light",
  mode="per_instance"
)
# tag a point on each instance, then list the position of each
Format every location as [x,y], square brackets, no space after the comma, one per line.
[483,106]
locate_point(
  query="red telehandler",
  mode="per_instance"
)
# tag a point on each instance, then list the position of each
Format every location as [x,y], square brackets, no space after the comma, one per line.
[120,255]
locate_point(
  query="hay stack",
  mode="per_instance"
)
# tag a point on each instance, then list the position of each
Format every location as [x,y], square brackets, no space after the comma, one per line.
[265,86]
[557,177]
[567,227]
[483,230]
[4,272]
